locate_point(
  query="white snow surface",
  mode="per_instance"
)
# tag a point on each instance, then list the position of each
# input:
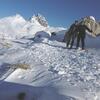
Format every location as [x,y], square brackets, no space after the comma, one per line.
[16,26]
[53,72]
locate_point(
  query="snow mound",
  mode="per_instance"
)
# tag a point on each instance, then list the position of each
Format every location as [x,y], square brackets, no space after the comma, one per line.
[39,36]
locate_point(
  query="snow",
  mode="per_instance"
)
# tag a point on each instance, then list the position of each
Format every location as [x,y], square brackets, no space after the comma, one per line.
[40,66]
[91,17]
[16,26]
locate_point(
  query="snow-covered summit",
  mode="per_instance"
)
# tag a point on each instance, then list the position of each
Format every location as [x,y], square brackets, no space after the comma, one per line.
[40,19]
[12,26]
[15,18]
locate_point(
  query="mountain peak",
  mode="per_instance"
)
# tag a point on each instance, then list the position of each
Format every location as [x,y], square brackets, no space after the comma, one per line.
[39,19]
[18,19]
[15,18]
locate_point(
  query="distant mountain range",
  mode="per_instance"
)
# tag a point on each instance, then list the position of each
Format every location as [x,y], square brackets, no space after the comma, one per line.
[16,26]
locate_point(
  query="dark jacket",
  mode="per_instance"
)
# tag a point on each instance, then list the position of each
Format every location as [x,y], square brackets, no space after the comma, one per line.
[82,30]
[73,28]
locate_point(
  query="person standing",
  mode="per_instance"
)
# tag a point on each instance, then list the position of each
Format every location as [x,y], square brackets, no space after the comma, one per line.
[72,34]
[81,35]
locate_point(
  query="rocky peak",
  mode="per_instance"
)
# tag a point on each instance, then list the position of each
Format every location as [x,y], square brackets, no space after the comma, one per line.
[40,19]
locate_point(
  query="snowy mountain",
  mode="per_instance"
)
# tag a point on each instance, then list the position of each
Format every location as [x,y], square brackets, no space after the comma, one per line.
[11,26]
[35,64]
[17,27]
[40,20]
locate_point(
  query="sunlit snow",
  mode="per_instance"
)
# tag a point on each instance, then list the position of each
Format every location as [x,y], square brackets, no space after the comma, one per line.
[34,62]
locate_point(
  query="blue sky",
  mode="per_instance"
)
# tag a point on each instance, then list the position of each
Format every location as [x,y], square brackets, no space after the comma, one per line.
[57,12]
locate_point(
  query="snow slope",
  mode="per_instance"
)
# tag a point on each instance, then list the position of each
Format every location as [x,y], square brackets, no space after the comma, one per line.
[44,69]
[52,70]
